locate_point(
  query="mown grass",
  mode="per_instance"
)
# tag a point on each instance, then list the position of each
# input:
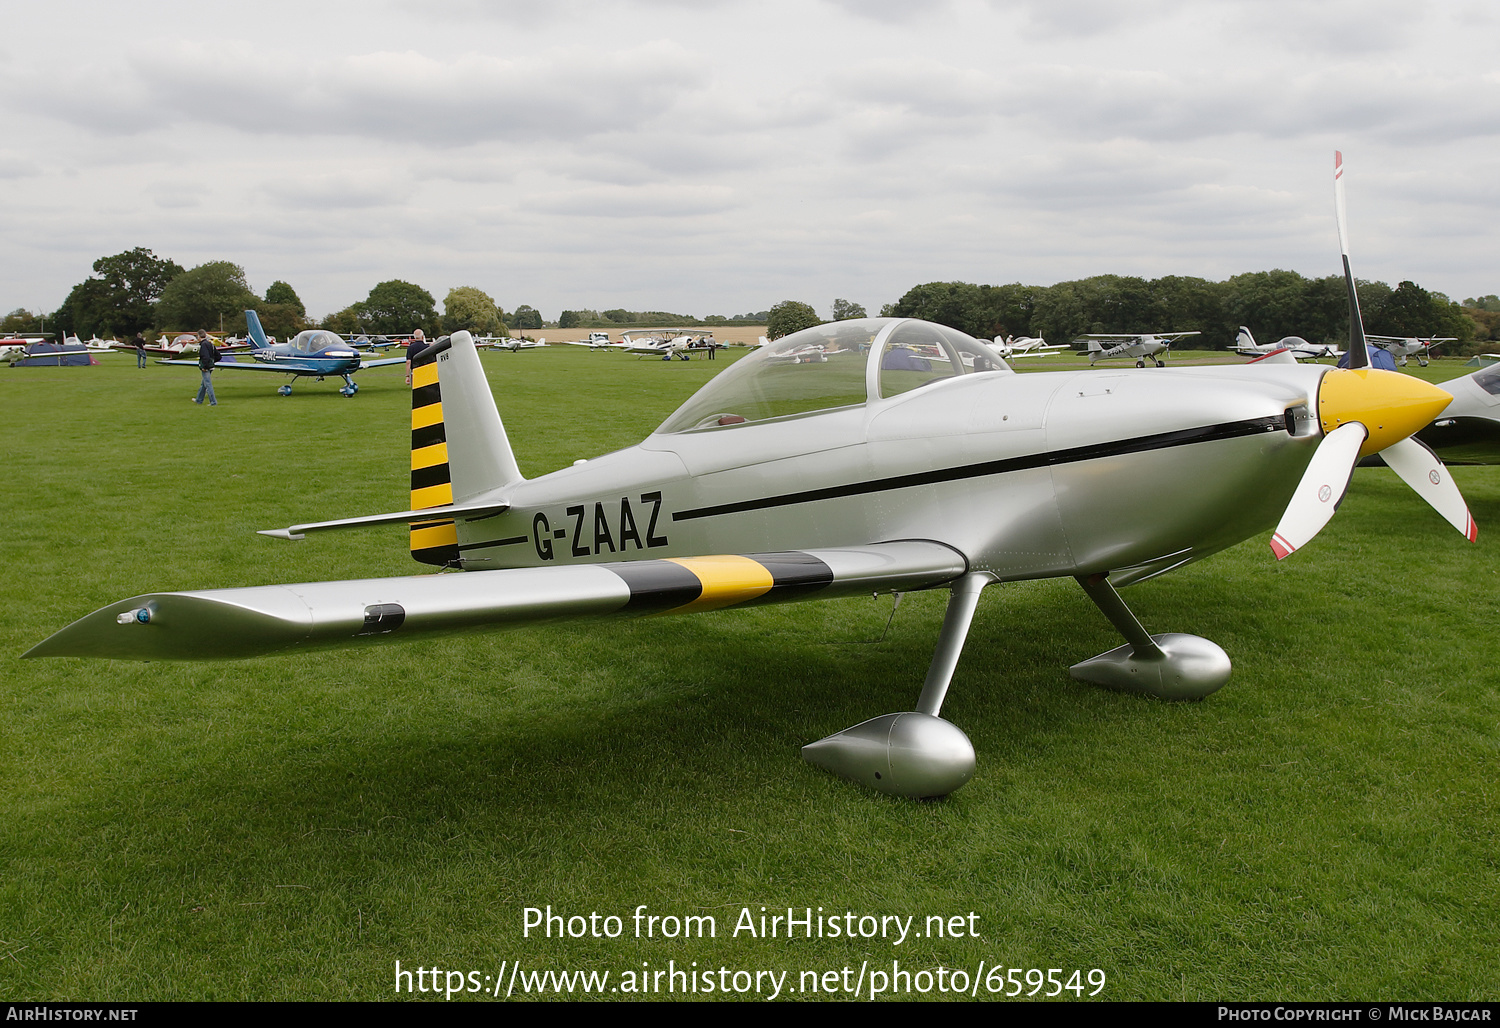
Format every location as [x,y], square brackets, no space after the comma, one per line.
[1323,827]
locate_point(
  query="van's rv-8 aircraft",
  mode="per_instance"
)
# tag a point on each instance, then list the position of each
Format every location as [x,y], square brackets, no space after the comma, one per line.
[315,353]
[782,482]
[1299,348]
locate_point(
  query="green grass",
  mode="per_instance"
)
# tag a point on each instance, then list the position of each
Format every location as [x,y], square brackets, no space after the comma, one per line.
[1323,827]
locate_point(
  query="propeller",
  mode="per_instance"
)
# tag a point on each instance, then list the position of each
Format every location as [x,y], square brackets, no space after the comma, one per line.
[1364,410]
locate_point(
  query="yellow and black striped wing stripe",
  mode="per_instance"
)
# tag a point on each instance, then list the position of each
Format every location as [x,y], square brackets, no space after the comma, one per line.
[432,542]
[682,585]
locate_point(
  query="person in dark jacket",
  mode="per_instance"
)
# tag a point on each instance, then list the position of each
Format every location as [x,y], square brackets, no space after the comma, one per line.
[139,343]
[208,356]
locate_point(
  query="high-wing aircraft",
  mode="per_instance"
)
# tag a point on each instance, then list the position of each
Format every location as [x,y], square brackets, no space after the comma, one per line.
[315,353]
[1300,349]
[1140,346]
[782,482]
[1402,347]
[1010,347]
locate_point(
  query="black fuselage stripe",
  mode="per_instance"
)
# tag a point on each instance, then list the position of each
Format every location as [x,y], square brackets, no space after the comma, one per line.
[1095,451]
[513,540]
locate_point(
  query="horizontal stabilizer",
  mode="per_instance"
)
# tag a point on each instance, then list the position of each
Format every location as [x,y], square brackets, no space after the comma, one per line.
[460,511]
[223,624]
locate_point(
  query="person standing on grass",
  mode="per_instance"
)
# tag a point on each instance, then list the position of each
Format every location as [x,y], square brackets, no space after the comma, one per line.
[139,343]
[208,356]
[417,341]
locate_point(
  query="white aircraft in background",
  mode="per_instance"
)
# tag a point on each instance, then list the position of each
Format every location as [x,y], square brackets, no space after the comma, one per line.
[1407,346]
[508,343]
[667,345]
[597,341]
[1026,346]
[1246,346]
[1138,345]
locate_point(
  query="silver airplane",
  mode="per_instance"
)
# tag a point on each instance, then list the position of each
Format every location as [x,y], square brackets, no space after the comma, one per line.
[1468,432]
[1300,349]
[1137,345]
[790,481]
[1404,347]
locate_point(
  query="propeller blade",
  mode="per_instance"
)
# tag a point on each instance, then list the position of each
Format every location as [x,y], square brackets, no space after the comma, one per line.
[1419,467]
[1321,490]
[1359,355]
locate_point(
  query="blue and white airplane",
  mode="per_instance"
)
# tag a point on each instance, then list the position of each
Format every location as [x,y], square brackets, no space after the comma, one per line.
[316,353]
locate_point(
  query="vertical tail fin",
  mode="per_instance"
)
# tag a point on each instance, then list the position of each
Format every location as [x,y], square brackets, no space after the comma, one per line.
[257,334]
[1244,340]
[459,449]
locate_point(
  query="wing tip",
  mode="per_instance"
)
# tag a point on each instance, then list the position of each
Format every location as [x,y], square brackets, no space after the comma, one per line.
[1281,547]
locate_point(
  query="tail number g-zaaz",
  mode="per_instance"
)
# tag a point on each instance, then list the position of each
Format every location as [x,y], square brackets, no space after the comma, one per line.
[603,528]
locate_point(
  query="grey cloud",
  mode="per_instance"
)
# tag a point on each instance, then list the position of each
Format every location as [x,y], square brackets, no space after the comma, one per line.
[662,201]
[352,190]
[391,97]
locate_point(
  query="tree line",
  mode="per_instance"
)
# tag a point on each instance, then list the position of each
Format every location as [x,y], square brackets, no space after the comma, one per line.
[1272,304]
[137,291]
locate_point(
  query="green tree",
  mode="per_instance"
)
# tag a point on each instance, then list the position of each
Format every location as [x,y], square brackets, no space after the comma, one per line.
[85,309]
[396,306]
[280,292]
[349,321]
[471,309]
[133,282]
[206,296]
[526,316]
[790,316]
[568,319]
[619,315]
[20,320]
[843,310]
[282,320]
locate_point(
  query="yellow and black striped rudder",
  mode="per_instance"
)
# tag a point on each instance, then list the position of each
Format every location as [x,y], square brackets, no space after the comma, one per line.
[432,542]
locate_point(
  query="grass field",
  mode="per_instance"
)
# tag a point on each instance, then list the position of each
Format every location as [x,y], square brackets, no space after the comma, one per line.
[289,828]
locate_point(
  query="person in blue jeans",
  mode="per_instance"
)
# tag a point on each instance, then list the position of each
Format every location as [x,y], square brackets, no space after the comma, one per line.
[208,356]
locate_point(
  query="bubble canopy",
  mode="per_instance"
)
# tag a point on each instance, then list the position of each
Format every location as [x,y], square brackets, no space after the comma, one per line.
[314,339]
[841,364]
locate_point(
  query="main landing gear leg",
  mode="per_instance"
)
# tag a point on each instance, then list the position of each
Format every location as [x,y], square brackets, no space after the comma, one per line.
[916,753]
[1170,666]
[349,388]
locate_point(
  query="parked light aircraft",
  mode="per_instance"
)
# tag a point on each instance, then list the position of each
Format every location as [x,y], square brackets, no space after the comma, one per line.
[1300,349]
[1468,431]
[597,341]
[315,353]
[667,345]
[1403,347]
[1025,346]
[1140,346]
[510,343]
[781,482]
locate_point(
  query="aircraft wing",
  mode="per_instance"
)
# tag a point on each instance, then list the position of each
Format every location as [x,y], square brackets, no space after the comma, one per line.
[279,368]
[383,362]
[220,624]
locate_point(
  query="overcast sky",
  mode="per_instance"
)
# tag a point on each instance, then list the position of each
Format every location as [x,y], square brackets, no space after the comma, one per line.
[716,157]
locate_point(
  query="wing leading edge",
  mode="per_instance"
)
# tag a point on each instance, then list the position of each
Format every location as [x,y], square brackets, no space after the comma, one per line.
[220,624]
